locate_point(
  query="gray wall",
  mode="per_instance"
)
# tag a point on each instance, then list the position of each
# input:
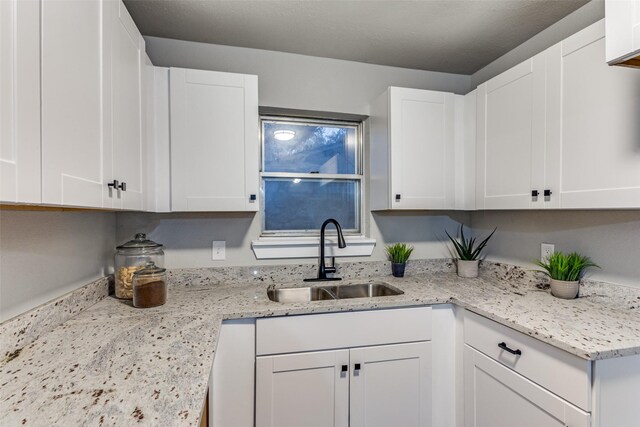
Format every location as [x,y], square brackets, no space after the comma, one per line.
[44,254]
[302,82]
[187,237]
[570,24]
[610,238]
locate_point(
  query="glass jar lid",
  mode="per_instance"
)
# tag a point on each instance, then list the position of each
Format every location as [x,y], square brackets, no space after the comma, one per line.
[150,269]
[140,241]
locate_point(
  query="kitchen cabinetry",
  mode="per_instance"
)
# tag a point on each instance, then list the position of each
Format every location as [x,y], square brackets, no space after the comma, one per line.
[592,131]
[513,379]
[511,138]
[72,109]
[231,391]
[20,101]
[214,141]
[497,396]
[75,114]
[93,129]
[412,149]
[319,370]
[128,122]
[368,386]
[623,31]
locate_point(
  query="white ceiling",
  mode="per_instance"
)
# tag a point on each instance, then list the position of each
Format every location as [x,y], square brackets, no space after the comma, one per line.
[451,36]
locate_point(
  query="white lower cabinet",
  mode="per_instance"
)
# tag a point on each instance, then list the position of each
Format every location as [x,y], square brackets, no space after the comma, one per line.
[367,386]
[307,373]
[496,396]
[303,389]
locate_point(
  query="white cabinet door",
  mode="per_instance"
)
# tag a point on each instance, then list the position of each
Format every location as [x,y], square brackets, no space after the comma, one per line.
[412,149]
[623,30]
[594,137]
[214,141]
[392,386]
[511,131]
[73,105]
[303,389]
[125,163]
[421,130]
[20,101]
[496,396]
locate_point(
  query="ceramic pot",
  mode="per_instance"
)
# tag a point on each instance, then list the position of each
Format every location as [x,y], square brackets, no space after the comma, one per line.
[397,269]
[564,289]
[468,268]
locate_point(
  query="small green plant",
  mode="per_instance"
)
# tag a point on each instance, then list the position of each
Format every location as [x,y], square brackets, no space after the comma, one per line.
[466,248]
[399,252]
[567,267]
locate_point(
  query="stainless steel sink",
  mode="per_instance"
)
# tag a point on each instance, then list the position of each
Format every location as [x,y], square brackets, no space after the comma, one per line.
[299,294]
[366,290]
[320,293]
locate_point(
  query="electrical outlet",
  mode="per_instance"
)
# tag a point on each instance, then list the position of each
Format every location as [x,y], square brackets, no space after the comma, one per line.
[218,250]
[546,250]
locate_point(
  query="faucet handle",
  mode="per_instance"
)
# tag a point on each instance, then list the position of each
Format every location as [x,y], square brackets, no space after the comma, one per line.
[332,267]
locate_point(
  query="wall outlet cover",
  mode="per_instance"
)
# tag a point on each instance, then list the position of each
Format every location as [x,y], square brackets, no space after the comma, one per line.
[218,250]
[546,250]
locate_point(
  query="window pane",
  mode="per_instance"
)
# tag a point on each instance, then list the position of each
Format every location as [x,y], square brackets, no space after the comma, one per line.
[304,204]
[312,148]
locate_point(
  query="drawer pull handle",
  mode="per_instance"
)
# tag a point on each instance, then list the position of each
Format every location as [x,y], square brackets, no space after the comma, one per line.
[503,346]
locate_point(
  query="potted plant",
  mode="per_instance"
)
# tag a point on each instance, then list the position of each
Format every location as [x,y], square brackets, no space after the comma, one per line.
[565,272]
[398,254]
[468,253]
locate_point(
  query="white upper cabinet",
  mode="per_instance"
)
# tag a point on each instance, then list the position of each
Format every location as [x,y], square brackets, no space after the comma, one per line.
[593,135]
[128,121]
[511,137]
[92,105]
[214,141]
[74,109]
[623,31]
[20,101]
[412,150]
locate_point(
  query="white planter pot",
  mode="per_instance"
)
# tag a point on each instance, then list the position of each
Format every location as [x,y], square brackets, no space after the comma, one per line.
[564,289]
[468,268]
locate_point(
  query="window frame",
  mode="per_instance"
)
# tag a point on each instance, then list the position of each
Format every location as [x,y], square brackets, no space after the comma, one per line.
[359,176]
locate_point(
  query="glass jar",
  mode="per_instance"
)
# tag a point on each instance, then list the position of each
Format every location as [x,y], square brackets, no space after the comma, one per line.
[131,257]
[149,286]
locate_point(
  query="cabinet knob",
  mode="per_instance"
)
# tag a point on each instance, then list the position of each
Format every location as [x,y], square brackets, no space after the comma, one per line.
[534,193]
[356,367]
[114,184]
[252,198]
[123,186]
[398,196]
[547,193]
[344,368]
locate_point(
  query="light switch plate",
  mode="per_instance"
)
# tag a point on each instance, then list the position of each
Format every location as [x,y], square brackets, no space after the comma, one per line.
[218,250]
[546,250]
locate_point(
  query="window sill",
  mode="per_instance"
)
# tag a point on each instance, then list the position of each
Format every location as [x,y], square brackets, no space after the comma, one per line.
[307,247]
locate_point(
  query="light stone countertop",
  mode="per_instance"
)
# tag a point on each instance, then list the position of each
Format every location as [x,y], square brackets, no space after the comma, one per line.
[112,364]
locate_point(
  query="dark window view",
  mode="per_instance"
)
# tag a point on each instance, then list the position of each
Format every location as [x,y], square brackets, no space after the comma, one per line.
[295,204]
[310,172]
[310,149]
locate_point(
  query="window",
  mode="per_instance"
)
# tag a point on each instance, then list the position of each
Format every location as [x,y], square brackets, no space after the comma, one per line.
[311,171]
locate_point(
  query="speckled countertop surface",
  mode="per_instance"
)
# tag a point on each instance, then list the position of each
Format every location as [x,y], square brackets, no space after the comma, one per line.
[112,364]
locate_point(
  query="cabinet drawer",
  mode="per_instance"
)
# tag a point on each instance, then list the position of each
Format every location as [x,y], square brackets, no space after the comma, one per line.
[341,330]
[560,372]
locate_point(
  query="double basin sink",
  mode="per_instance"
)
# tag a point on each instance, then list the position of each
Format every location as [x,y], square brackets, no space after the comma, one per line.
[324,293]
